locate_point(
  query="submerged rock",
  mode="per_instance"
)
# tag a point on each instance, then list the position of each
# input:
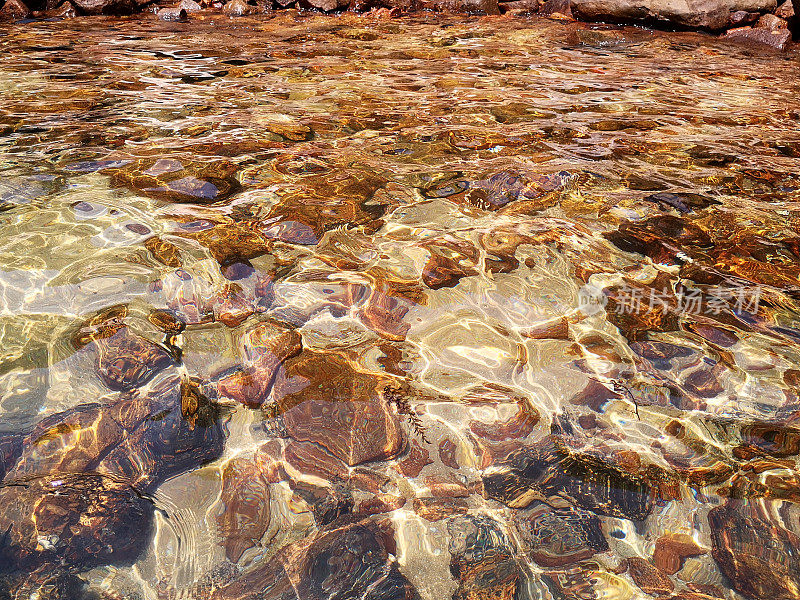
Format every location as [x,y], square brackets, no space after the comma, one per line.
[14,9]
[482,560]
[350,558]
[326,400]
[264,349]
[755,544]
[80,520]
[558,537]
[172,180]
[547,469]
[245,512]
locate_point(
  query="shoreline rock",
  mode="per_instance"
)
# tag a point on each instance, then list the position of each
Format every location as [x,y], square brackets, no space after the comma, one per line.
[765,23]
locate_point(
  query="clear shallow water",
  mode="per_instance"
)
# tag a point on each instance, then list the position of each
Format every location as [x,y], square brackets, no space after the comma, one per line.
[486,309]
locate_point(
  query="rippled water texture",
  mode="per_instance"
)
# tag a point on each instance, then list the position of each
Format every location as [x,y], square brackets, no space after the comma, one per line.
[335,307]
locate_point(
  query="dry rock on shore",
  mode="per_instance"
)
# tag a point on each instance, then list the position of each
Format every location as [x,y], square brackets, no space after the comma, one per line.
[705,14]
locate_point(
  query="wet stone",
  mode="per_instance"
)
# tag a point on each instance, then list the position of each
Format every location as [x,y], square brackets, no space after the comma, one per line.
[482,560]
[754,543]
[265,349]
[672,550]
[324,399]
[177,181]
[558,537]
[436,509]
[81,520]
[546,469]
[349,558]
[126,361]
[139,439]
[649,579]
[245,510]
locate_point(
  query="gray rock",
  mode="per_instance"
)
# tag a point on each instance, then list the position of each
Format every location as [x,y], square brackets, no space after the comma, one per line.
[172,14]
[190,6]
[705,14]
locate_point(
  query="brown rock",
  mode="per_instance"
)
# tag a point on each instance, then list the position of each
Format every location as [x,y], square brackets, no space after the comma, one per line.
[518,427]
[237,8]
[312,460]
[755,543]
[13,10]
[245,513]
[106,7]
[760,37]
[554,538]
[672,550]
[446,487]
[436,509]
[265,349]
[447,453]
[771,22]
[326,400]
[785,10]
[649,579]
[126,361]
[482,560]
[418,457]
[382,503]
[707,14]
[556,329]
[742,17]
[352,557]
[83,520]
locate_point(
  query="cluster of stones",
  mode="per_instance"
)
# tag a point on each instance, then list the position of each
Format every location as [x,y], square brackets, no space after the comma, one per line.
[759,22]
[354,444]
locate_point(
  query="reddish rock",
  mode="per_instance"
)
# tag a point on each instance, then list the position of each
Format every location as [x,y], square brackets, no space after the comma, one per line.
[436,509]
[518,427]
[785,10]
[265,349]
[312,460]
[13,10]
[83,520]
[482,560]
[447,453]
[352,557]
[649,579]
[172,14]
[446,487]
[245,513]
[755,544]
[237,8]
[381,503]
[418,457]
[554,538]
[771,22]
[672,550]
[326,400]
[126,361]
[556,329]
[748,35]
[742,17]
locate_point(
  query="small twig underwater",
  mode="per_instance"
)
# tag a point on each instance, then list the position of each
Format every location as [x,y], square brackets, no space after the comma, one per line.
[394,396]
